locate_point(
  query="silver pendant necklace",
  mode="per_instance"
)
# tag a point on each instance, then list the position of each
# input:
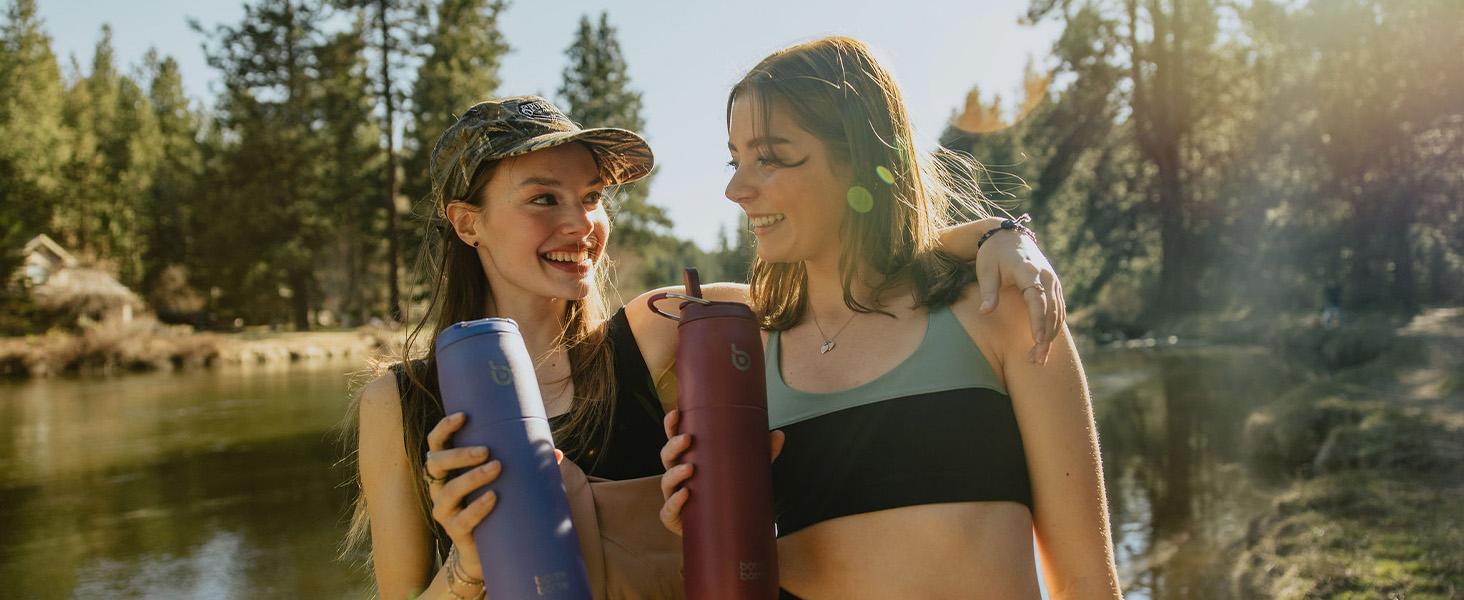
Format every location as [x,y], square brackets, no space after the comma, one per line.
[829,339]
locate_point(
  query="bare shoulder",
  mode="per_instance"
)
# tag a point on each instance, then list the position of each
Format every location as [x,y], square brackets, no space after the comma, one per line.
[727,292]
[999,333]
[719,292]
[381,394]
[401,545]
[655,334]
[380,412]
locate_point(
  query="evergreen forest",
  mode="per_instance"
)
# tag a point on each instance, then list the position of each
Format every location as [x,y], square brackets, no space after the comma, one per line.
[1181,158]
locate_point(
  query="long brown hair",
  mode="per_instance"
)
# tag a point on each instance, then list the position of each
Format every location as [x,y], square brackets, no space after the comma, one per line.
[459,288]
[900,197]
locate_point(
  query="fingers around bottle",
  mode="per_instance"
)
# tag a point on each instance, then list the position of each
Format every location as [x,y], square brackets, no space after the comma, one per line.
[671,511]
[674,448]
[673,418]
[460,527]
[437,438]
[446,461]
[448,499]
[462,485]
[674,478]
[775,442]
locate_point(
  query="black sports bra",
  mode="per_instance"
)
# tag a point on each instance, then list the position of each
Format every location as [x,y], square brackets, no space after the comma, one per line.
[627,447]
[937,428]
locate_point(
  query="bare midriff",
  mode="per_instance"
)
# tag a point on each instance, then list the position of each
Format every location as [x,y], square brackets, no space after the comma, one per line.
[935,551]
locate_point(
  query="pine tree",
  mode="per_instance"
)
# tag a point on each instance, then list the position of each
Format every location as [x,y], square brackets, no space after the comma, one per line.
[270,215]
[1183,95]
[735,258]
[34,145]
[114,156]
[176,184]
[352,164]
[596,92]
[393,25]
[460,70]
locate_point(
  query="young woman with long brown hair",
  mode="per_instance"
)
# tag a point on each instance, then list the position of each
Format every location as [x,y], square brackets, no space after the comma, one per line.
[520,233]
[924,448]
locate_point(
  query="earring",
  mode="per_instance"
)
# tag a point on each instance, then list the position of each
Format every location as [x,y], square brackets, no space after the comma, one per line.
[475,243]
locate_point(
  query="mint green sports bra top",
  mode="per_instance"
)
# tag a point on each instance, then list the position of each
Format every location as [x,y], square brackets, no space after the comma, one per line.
[937,428]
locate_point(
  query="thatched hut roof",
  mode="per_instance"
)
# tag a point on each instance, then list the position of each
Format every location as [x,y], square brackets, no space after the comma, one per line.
[58,281]
[81,289]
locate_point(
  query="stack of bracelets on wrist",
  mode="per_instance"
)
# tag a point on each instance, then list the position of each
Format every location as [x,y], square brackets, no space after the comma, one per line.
[455,576]
[1018,225]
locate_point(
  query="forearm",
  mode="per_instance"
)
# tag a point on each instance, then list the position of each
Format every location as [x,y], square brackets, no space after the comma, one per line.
[1059,438]
[960,240]
[1087,588]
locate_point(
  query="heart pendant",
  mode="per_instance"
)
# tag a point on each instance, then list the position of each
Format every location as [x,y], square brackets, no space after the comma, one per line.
[824,349]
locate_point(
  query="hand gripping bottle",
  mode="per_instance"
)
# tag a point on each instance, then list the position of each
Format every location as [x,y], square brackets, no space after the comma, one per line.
[727,537]
[527,545]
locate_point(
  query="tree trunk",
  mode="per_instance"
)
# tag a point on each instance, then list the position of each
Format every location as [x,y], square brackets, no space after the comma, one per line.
[1163,123]
[394,295]
[300,300]
[1177,283]
[1399,248]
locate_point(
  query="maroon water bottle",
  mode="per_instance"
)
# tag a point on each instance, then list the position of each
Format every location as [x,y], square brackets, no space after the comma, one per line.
[728,542]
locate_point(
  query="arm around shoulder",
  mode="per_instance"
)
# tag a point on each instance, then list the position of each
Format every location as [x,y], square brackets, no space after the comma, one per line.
[656,335]
[960,240]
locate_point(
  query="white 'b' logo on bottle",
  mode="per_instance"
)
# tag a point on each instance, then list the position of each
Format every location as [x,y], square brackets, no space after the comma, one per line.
[740,359]
[502,375]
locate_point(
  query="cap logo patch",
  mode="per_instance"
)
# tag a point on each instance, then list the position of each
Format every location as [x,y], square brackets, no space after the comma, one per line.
[539,110]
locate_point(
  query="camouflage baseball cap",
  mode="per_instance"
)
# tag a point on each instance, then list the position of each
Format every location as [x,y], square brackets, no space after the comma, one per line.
[513,126]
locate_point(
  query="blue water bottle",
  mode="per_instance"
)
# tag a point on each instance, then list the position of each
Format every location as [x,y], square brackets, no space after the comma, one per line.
[527,545]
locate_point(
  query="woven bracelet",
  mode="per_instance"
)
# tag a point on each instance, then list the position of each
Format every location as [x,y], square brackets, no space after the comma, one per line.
[1018,225]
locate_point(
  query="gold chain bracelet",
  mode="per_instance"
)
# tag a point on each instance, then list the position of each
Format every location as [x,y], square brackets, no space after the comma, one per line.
[455,576]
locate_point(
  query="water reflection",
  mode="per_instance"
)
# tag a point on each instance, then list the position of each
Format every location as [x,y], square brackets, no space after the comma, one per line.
[218,484]
[1171,426]
[203,485]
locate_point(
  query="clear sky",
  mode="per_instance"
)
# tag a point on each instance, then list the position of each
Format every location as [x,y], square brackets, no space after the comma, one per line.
[683,56]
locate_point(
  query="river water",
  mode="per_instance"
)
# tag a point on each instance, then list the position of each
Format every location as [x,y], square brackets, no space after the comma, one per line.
[222,483]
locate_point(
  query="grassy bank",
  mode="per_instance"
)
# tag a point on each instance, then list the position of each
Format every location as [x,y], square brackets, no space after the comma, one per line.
[1370,459]
[144,345]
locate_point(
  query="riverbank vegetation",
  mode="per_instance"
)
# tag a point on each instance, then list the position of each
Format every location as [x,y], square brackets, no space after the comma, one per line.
[1370,463]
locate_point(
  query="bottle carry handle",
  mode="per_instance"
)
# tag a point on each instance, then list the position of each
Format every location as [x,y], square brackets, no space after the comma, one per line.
[664,295]
[693,294]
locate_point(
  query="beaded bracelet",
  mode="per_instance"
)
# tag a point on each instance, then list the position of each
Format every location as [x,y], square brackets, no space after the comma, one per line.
[1018,225]
[455,576]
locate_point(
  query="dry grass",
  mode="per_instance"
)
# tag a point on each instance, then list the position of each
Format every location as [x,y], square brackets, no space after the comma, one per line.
[1378,449]
[1359,535]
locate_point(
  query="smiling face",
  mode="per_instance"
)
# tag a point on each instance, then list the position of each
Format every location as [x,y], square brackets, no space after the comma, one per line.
[541,226]
[784,179]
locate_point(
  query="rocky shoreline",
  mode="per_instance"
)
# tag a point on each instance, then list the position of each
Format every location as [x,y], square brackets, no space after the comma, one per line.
[105,351]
